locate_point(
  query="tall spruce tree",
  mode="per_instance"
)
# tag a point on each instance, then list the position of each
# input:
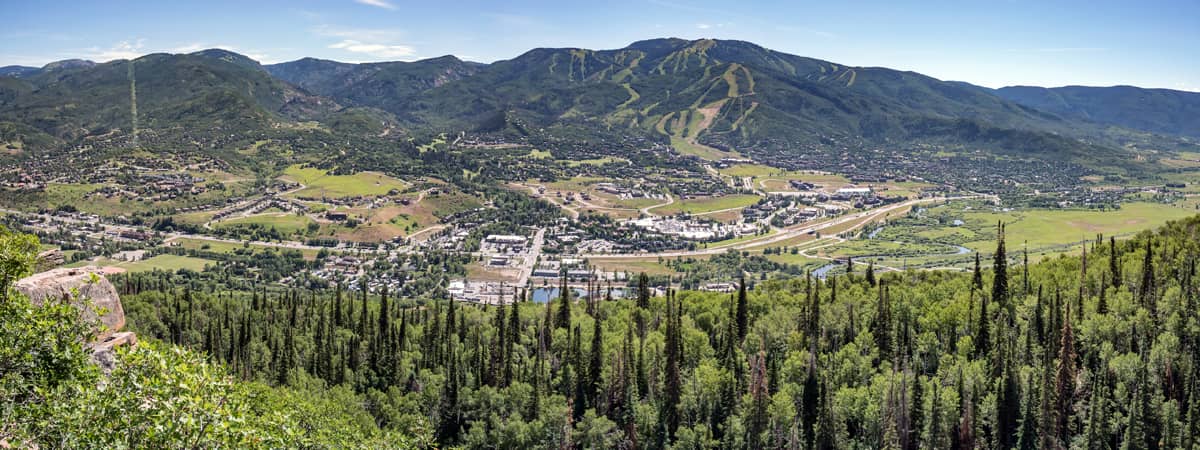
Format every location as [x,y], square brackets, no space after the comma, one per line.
[743,310]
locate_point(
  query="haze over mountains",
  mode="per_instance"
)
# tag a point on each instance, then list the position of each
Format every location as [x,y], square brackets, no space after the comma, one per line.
[730,95]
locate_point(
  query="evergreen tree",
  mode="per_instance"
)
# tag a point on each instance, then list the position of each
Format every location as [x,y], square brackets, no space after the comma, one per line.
[883,324]
[1146,290]
[743,310]
[643,291]
[672,389]
[977,278]
[595,367]
[563,321]
[1000,273]
[1008,408]
[449,423]
[756,418]
[1114,261]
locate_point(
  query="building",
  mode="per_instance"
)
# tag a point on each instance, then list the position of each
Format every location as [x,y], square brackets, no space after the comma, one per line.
[847,192]
[505,239]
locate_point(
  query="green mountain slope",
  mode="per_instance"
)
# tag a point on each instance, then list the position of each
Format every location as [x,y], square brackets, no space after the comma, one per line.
[380,85]
[209,90]
[736,95]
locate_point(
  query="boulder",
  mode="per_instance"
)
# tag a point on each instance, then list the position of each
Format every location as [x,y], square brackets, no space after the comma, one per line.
[93,289]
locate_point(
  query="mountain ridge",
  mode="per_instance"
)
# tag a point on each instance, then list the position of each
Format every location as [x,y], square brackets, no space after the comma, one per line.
[728,96]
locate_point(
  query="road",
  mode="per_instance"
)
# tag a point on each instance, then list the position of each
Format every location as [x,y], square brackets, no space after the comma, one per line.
[857,220]
[535,251]
[862,218]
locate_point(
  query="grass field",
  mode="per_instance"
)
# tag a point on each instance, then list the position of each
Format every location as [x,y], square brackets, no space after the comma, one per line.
[796,259]
[1055,227]
[929,239]
[633,266]
[596,161]
[169,263]
[707,204]
[318,183]
[231,247]
[381,224]
[286,223]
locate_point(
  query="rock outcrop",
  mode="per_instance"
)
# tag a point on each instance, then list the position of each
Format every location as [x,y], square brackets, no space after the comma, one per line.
[94,297]
[97,298]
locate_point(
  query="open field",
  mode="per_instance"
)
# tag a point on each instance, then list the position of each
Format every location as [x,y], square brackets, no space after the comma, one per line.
[162,262]
[633,266]
[398,220]
[686,147]
[596,161]
[796,259]
[707,204]
[232,247]
[931,237]
[286,223]
[318,183]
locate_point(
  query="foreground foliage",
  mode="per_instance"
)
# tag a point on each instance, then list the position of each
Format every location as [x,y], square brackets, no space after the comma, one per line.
[157,396]
[1094,351]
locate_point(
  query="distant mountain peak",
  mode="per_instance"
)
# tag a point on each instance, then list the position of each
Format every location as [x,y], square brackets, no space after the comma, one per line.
[68,64]
[228,56]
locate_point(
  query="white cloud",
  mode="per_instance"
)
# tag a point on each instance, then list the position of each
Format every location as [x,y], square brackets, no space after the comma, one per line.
[799,29]
[120,50]
[377,50]
[378,3]
[703,26]
[379,43]
[376,35]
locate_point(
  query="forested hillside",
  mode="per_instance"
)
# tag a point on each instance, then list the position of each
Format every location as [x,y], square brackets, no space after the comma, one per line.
[1095,351]
[156,395]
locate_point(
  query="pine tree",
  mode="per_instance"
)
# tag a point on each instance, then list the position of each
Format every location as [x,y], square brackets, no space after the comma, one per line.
[871,273]
[1025,269]
[983,341]
[1000,274]
[756,418]
[1008,407]
[563,321]
[1114,261]
[1039,321]
[672,389]
[743,310]
[595,367]
[1065,382]
[977,278]
[1029,423]
[449,420]
[1146,290]
[916,415]
[883,324]
[643,291]
[513,339]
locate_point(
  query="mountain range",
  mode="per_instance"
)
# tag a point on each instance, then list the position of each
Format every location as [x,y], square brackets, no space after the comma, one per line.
[722,94]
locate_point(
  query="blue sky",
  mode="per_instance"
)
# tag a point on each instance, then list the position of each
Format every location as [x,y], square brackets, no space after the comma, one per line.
[1151,43]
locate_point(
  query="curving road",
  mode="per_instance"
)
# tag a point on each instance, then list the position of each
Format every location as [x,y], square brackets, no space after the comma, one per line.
[859,219]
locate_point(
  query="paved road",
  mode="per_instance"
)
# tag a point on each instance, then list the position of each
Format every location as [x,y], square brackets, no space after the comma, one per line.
[535,250]
[862,218]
